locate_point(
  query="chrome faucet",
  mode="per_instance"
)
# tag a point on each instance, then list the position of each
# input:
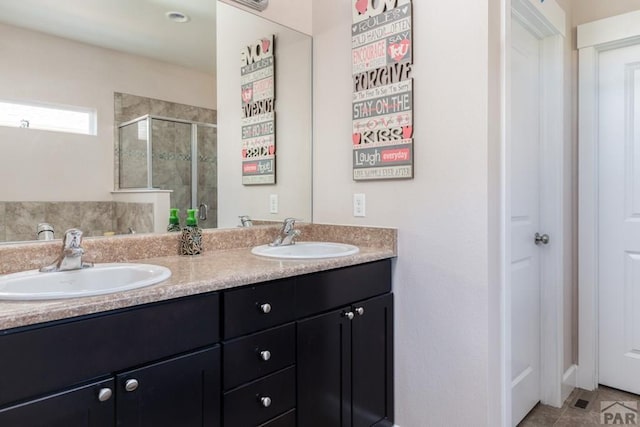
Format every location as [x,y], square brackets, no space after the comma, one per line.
[245,221]
[44,231]
[71,256]
[287,233]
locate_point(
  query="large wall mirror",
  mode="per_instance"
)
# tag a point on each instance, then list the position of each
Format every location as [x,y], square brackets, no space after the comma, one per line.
[125,61]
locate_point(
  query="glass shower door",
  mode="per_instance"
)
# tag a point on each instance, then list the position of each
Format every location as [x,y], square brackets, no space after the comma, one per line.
[207,149]
[133,155]
[171,158]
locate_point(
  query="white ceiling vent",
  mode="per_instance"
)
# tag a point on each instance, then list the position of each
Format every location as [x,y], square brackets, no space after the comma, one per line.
[254,4]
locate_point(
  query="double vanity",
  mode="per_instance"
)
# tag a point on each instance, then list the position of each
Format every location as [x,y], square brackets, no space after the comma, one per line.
[230,339]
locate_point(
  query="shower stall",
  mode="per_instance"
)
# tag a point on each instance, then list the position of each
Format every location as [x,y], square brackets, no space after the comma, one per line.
[172,154]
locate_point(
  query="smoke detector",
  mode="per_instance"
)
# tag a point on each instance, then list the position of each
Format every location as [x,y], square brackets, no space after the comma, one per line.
[254,4]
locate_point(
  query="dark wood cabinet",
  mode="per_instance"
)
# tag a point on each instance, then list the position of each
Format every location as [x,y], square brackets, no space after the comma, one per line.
[183,391]
[324,369]
[312,350]
[258,307]
[43,359]
[372,361]
[345,366]
[260,401]
[257,355]
[170,349]
[259,375]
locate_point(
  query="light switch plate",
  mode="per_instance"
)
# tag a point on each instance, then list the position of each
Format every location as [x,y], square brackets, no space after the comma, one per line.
[359,205]
[273,203]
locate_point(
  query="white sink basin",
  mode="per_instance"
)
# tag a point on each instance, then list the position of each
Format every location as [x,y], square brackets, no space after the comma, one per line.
[97,280]
[306,250]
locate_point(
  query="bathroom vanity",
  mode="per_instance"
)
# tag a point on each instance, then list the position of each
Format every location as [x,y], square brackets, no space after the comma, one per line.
[308,350]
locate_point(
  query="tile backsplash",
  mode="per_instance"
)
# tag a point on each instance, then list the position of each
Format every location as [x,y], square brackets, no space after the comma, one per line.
[19,220]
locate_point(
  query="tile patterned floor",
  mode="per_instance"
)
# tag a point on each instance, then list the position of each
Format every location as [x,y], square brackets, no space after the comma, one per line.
[571,416]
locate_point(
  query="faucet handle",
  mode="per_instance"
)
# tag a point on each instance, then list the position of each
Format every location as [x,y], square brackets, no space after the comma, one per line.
[72,238]
[245,221]
[288,225]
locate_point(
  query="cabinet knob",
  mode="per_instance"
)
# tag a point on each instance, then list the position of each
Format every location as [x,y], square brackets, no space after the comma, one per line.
[360,311]
[349,315]
[265,401]
[131,385]
[265,355]
[265,308]
[104,394]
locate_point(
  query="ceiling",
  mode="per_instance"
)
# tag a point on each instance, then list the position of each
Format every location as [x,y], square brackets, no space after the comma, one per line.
[138,27]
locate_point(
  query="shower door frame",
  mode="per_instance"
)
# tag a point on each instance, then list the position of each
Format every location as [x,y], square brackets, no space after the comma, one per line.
[194,151]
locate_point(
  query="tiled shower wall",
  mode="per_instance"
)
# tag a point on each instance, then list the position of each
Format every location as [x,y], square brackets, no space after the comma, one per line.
[171,151]
[19,220]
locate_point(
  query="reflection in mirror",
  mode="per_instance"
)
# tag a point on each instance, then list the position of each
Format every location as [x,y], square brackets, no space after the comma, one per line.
[85,54]
[293,118]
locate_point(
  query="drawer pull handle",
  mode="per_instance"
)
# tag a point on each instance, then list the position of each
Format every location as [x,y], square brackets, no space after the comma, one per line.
[131,385]
[265,308]
[360,311]
[265,401]
[265,355]
[349,315]
[104,394]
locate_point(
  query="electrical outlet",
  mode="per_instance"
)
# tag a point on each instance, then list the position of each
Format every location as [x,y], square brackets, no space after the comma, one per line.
[359,205]
[273,203]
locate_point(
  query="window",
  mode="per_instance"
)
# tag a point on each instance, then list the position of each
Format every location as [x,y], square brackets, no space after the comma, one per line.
[57,118]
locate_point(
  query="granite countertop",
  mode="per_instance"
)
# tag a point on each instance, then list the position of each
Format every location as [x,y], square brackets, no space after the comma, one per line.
[212,271]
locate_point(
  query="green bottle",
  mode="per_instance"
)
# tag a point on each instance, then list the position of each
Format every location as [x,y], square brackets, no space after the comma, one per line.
[191,237]
[174,220]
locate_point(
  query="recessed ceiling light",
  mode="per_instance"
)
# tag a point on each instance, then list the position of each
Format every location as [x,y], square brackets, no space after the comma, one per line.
[178,17]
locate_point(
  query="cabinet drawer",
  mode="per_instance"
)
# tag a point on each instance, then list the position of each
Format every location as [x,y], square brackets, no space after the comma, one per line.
[259,307]
[40,359]
[284,420]
[253,356]
[244,406]
[331,289]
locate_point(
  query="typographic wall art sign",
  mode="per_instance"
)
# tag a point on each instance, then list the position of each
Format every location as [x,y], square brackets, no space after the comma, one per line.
[382,108]
[257,65]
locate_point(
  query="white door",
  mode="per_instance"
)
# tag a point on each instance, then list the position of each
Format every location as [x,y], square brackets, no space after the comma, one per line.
[525,221]
[619,218]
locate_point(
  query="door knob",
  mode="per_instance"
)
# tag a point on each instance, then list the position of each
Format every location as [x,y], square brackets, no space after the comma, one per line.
[360,311]
[541,239]
[349,315]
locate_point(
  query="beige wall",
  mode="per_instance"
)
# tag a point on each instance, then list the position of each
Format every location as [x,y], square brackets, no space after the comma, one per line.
[446,308]
[590,10]
[295,14]
[46,166]
[293,121]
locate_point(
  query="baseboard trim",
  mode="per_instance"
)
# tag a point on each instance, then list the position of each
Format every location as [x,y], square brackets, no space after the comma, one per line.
[569,381]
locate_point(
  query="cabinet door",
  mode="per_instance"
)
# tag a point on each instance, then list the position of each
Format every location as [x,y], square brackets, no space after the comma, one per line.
[372,361]
[183,391]
[78,407]
[324,371]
